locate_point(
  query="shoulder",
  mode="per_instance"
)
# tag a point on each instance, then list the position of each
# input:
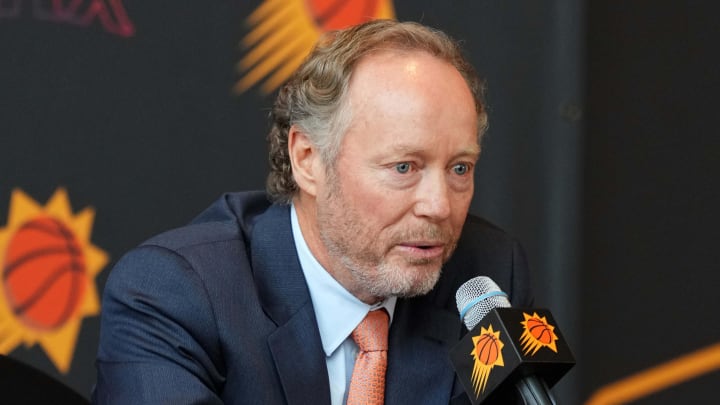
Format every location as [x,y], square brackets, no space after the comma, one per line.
[211,248]
[173,305]
[230,218]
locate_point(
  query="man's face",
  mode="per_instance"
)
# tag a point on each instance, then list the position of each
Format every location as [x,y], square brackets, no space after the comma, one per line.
[391,209]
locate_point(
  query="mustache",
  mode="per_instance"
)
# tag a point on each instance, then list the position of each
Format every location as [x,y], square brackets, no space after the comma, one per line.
[425,233]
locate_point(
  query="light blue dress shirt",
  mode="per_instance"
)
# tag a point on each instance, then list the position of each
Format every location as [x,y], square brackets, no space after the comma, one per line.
[338,313]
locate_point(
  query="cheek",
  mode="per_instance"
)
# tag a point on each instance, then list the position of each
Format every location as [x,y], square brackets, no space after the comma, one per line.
[375,207]
[367,194]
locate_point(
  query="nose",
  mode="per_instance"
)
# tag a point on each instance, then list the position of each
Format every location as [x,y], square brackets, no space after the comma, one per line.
[433,198]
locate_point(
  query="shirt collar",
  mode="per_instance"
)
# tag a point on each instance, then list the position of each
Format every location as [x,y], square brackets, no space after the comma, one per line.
[337,311]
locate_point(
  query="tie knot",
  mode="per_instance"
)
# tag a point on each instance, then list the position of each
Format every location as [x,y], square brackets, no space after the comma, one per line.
[372,333]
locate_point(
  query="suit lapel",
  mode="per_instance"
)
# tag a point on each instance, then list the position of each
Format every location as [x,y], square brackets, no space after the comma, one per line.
[419,367]
[295,346]
[300,361]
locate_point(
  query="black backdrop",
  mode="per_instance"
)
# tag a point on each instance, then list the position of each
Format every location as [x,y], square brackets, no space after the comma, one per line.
[652,157]
[610,191]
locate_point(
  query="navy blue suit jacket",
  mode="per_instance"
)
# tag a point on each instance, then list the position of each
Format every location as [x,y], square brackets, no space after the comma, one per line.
[219,312]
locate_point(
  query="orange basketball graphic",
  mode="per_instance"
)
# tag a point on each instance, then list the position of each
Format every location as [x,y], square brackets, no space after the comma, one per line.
[337,14]
[487,350]
[538,333]
[540,330]
[48,266]
[486,353]
[44,273]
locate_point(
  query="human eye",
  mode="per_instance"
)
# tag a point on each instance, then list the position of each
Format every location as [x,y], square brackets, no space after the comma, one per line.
[461,169]
[403,167]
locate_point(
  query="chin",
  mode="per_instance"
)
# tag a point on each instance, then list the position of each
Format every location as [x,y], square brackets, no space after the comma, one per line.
[397,278]
[423,281]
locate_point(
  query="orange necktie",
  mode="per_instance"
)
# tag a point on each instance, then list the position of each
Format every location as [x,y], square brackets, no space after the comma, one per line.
[367,385]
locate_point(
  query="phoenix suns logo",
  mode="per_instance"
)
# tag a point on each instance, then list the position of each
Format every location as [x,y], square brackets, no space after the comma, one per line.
[486,353]
[537,333]
[48,268]
[282,33]
[110,14]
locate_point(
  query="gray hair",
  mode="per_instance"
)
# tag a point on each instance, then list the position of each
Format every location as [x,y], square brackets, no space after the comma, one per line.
[314,98]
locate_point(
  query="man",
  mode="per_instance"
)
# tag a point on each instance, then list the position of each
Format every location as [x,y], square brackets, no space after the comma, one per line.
[372,151]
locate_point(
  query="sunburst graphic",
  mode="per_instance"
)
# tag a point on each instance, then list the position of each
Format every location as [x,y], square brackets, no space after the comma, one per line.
[48,270]
[486,353]
[538,333]
[282,33]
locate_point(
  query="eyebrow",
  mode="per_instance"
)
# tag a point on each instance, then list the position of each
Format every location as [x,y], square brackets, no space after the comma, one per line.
[473,151]
[406,149]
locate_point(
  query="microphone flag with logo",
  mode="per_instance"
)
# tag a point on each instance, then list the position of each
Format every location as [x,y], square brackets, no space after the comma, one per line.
[507,346]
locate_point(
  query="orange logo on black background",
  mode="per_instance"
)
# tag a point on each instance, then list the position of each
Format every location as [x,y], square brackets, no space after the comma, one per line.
[282,33]
[486,353]
[48,267]
[538,333]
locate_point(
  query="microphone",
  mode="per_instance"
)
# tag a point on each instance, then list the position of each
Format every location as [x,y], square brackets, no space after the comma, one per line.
[507,346]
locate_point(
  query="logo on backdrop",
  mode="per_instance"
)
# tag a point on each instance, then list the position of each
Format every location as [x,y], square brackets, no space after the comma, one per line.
[486,353]
[110,14]
[48,267]
[282,33]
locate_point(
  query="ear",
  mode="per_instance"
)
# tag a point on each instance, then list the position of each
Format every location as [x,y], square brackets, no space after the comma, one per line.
[305,161]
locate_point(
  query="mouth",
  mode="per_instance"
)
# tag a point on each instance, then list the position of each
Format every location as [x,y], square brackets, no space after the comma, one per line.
[422,249]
